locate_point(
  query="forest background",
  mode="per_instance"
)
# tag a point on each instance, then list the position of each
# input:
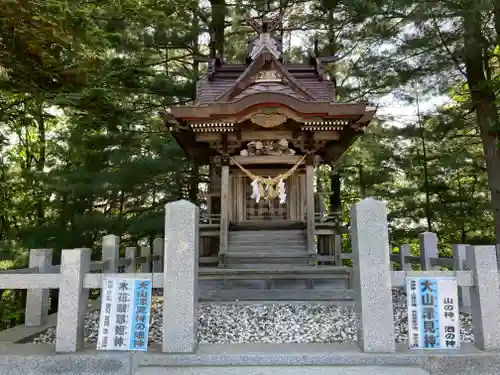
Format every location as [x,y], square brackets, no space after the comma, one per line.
[84,151]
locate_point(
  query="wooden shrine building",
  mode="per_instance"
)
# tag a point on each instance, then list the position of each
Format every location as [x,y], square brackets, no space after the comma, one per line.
[262,127]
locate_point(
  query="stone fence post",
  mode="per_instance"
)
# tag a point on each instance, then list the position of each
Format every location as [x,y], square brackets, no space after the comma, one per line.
[37,300]
[145,267]
[130,253]
[498,255]
[404,251]
[180,272]
[111,252]
[73,300]
[158,250]
[372,277]
[428,249]
[485,296]
[459,257]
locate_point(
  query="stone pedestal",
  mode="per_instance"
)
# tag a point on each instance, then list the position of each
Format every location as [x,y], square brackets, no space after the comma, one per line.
[372,277]
[180,285]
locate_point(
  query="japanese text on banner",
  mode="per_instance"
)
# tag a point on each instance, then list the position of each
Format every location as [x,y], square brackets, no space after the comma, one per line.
[433,313]
[140,318]
[125,311]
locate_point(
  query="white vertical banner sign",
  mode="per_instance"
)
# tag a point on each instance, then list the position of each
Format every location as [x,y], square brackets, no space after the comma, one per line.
[433,315]
[125,312]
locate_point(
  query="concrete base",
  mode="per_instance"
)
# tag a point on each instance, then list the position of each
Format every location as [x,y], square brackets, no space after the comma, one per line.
[38,359]
[280,370]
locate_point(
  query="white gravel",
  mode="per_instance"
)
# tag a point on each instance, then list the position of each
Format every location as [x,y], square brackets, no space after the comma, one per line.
[269,323]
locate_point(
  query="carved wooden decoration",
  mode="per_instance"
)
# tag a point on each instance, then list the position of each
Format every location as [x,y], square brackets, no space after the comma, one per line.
[285,113]
[268,148]
[268,120]
[267,76]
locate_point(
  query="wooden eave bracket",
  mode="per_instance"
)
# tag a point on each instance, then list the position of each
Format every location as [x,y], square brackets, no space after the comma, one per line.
[173,123]
[328,59]
[363,122]
[318,67]
[318,63]
[214,63]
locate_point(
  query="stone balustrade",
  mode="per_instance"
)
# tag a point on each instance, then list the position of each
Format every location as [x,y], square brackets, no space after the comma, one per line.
[175,269]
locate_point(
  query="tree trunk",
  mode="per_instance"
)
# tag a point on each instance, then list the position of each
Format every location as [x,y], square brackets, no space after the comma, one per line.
[335,202]
[462,197]
[492,158]
[218,24]
[483,99]
[362,186]
[40,164]
[194,182]
[425,166]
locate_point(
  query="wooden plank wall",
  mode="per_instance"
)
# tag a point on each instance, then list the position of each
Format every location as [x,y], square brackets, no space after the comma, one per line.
[296,196]
[239,187]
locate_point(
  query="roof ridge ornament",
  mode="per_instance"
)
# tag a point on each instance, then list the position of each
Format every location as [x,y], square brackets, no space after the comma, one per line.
[265,41]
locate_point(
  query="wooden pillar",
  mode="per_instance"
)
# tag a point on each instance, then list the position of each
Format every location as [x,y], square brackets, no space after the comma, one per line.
[209,190]
[224,208]
[292,199]
[311,247]
[302,196]
[337,249]
[230,198]
[241,196]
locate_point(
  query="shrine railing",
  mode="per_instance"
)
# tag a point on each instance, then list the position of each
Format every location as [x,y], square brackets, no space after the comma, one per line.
[321,214]
[206,218]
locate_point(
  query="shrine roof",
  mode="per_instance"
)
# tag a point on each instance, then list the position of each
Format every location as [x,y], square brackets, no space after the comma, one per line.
[295,102]
[224,78]
[264,72]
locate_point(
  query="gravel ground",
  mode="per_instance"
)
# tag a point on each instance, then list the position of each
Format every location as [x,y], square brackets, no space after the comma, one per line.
[269,323]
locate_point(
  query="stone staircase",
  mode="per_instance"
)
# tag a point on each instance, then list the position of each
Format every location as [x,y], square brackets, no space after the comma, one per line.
[260,248]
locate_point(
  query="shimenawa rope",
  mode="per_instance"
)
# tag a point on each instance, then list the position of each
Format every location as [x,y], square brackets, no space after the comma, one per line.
[274,187]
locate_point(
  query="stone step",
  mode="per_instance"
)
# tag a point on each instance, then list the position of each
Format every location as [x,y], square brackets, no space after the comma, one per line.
[255,263]
[273,233]
[277,233]
[274,270]
[267,254]
[259,253]
[244,264]
[266,238]
[264,266]
[256,258]
[270,244]
[268,225]
[267,249]
[281,370]
[259,294]
[249,248]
